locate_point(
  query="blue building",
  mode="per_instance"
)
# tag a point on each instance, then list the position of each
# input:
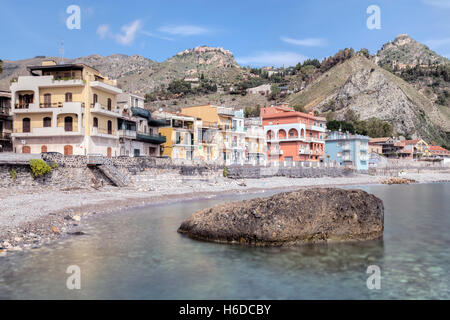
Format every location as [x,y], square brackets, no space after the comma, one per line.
[347,150]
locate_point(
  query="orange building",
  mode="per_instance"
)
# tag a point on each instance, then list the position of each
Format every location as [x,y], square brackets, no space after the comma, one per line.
[293,136]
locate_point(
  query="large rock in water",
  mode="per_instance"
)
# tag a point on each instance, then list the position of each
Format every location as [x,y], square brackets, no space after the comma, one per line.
[304,216]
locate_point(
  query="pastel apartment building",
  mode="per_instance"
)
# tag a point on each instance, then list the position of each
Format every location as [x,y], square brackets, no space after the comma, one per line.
[217,127]
[181,134]
[138,129]
[255,142]
[5,121]
[293,136]
[347,150]
[66,108]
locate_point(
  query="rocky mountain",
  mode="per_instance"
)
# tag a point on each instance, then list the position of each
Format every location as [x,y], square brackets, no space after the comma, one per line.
[405,51]
[370,91]
[141,75]
[415,63]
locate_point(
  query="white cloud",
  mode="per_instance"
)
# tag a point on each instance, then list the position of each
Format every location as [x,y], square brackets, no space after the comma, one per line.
[434,43]
[277,59]
[126,37]
[151,34]
[184,30]
[308,42]
[103,31]
[438,3]
[129,32]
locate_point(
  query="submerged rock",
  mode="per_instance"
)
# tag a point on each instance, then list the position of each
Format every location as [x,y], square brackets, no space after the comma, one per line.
[305,216]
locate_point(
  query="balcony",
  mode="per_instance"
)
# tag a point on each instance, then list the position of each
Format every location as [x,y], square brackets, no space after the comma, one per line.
[127,134]
[97,132]
[58,107]
[304,151]
[5,135]
[5,111]
[275,152]
[149,138]
[48,132]
[225,111]
[105,87]
[346,158]
[346,147]
[98,108]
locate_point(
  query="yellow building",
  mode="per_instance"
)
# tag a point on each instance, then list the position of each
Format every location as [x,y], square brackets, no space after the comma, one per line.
[66,108]
[215,141]
[181,135]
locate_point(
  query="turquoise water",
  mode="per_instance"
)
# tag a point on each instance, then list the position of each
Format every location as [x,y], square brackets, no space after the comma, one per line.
[137,254]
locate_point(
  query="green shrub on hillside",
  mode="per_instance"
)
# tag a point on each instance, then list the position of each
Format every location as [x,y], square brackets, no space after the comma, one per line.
[39,167]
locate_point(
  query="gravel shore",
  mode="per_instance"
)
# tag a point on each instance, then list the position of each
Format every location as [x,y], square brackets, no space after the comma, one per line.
[30,218]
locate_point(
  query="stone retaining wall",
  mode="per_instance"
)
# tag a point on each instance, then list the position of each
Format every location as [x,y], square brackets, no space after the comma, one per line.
[253,172]
[61,177]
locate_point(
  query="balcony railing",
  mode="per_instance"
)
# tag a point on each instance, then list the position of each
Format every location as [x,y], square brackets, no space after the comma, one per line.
[127,134]
[99,131]
[5,135]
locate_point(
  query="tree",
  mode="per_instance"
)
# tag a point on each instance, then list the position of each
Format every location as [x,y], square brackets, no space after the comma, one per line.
[364,52]
[350,116]
[179,86]
[333,125]
[274,89]
[1,66]
[299,108]
[250,112]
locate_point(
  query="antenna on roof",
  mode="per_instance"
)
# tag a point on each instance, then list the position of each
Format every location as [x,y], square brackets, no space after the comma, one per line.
[61,51]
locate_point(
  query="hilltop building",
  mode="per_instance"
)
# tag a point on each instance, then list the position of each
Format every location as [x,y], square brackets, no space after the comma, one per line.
[347,150]
[293,136]
[5,121]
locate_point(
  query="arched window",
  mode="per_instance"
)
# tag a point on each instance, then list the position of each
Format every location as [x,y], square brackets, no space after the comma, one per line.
[281,134]
[95,124]
[95,98]
[109,104]
[68,121]
[109,152]
[269,135]
[302,133]
[26,125]
[47,122]
[68,150]
[68,96]
[47,100]
[293,133]
[26,149]
[43,149]
[109,127]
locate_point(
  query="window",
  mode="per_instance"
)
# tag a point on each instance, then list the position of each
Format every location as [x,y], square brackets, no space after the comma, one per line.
[109,127]
[47,122]
[95,98]
[43,149]
[95,124]
[109,104]
[68,96]
[68,124]
[26,125]
[47,100]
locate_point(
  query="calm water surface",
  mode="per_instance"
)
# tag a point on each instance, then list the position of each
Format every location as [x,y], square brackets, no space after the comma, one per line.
[138,254]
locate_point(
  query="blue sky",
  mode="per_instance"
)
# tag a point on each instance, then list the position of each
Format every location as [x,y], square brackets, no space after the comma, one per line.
[263,32]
